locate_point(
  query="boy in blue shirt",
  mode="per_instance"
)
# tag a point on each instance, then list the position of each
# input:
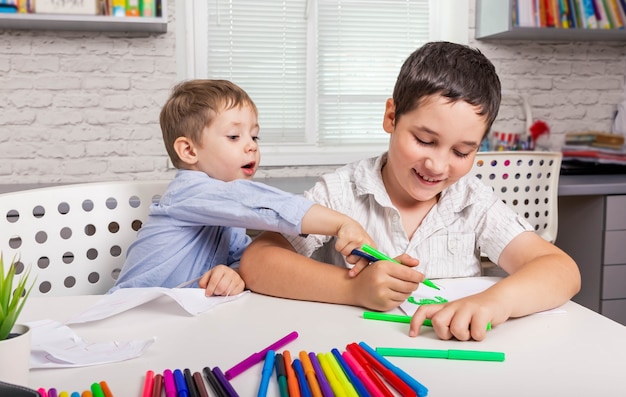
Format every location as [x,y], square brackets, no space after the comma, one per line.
[197,230]
[417,199]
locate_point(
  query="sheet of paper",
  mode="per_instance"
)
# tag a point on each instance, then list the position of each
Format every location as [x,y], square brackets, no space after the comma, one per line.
[453,289]
[190,299]
[54,345]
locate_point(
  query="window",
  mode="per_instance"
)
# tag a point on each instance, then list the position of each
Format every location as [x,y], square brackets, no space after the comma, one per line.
[319,71]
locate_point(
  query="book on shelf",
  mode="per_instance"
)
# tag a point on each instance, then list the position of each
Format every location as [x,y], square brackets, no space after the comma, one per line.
[595,139]
[601,15]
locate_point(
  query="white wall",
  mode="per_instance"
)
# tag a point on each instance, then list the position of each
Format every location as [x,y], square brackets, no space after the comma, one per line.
[84,106]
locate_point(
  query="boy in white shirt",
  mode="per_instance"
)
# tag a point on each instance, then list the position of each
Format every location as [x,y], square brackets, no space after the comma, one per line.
[417,199]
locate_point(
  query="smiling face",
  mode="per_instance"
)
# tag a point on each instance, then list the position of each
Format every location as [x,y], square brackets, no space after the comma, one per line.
[431,147]
[228,148]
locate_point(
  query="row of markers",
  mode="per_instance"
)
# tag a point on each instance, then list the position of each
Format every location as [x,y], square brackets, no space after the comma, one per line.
[96,390]
[357,372]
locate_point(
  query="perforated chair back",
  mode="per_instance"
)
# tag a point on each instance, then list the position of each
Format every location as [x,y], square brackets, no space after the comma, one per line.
[528,182]
[74,237]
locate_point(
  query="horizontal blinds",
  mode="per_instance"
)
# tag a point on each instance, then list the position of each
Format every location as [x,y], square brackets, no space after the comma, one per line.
[361,46]
[262,46]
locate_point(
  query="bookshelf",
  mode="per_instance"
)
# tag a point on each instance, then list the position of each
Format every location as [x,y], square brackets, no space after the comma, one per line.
[74,22]
[494,21]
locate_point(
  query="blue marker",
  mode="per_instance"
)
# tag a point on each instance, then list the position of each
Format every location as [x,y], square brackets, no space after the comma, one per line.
[266,373]
[420,389]
[302,382]
[364,255]
[181,385]
[356,382]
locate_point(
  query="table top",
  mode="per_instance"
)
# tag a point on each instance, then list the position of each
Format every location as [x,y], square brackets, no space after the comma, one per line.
[578,352]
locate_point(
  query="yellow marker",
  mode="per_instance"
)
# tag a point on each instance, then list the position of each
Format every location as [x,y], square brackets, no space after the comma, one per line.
[343,378]
[64,394]
[330,376]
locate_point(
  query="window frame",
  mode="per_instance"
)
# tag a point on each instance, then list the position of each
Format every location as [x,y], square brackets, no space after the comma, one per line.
[449,21]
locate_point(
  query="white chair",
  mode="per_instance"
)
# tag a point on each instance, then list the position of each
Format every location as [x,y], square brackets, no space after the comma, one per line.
[74,237]
[527,181]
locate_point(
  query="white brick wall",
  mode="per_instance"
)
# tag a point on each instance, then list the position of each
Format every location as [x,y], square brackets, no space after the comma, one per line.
[84,106]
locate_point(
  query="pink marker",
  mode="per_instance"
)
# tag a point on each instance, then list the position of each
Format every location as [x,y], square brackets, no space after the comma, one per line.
[147,385]
[362,374]
[42,392]
[169,383]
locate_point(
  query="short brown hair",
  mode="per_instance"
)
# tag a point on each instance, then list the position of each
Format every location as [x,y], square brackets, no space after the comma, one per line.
[193,105]
[454,71]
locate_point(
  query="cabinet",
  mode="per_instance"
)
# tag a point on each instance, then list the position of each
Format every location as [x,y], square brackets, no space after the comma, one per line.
[494,20]
[592,229]
[86,22]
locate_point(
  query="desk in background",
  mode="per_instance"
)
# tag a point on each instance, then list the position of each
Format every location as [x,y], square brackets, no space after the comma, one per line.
[592,229]
[575,353]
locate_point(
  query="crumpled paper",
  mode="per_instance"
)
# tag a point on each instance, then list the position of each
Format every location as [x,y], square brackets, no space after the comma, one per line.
[56,345]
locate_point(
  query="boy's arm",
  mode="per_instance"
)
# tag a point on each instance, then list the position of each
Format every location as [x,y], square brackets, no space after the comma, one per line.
[350,234]
[541,277]
[271,266]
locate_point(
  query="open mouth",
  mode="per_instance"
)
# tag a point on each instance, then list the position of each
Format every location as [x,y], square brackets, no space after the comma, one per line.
[249,165]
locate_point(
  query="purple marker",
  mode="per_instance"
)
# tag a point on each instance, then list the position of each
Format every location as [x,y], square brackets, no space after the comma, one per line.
[327,391]
[221,378]
[255,358]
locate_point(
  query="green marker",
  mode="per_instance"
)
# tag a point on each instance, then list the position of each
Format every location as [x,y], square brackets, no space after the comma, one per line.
[399,318]
[449,354]
[379,255]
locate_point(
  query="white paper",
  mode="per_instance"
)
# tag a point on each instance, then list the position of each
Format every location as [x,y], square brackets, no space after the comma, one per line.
[54,345]
[192,300]
[452,289]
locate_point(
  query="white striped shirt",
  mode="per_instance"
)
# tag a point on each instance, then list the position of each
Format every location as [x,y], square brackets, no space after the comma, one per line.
[467,219]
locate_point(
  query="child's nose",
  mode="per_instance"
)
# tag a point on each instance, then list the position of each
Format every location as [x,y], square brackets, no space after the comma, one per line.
[437,163]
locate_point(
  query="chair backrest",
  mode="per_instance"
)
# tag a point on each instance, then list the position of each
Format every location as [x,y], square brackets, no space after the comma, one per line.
[528,182]
[74,237]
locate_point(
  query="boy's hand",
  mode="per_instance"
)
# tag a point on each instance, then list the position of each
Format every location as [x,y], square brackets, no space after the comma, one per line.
[351,235]
[221,281]
[463,319]
[384,285]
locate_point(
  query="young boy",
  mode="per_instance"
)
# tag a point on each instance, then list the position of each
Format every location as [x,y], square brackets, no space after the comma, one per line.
[197,230]
[418,199]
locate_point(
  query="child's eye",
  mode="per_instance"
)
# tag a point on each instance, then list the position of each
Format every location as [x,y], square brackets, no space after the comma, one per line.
[232,137]
[255,138]
[421,142]
[460,154]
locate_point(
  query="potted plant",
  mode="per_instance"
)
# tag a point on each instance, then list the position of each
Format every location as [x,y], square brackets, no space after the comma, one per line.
[14,338]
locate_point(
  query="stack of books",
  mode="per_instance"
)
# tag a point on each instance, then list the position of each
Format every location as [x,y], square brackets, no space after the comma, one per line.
[594,146]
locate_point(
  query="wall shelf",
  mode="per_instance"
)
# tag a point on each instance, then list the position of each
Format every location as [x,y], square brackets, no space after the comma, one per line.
[494,21]
[85,22]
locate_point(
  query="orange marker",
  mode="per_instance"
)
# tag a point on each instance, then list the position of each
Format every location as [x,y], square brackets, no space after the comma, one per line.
[309,372]
[86,393]
[105,389]
[292,380]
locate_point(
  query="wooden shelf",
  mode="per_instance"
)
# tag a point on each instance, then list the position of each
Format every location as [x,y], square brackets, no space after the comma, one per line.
[84,22]
[494,22]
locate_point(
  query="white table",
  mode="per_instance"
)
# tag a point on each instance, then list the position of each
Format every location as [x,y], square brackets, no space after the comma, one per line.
[577,353]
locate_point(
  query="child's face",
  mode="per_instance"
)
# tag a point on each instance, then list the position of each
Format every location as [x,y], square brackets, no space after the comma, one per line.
[229,149]
[430,147]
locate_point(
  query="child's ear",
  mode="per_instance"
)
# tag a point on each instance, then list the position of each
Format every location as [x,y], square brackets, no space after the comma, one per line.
[186,150]
[389,120]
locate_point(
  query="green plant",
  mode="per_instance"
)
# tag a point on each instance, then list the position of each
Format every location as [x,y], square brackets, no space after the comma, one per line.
[11,302]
